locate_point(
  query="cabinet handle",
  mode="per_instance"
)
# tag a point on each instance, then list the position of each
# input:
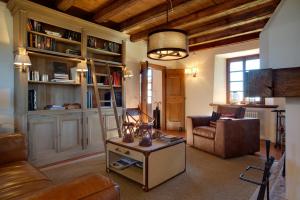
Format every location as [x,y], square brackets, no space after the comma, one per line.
[127,152]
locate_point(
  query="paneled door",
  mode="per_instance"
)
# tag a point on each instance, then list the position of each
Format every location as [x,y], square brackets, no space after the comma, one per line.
[175,99]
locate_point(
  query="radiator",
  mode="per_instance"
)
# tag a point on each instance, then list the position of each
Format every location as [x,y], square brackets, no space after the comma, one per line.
[252,114]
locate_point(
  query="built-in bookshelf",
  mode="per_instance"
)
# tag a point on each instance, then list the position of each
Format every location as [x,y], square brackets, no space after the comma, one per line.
[52,78]
[105,53]
[51,98]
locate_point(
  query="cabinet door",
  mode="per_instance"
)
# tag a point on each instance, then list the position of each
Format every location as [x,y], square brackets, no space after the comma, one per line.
[94,134]
[42,137]
[258,83]
[70,134]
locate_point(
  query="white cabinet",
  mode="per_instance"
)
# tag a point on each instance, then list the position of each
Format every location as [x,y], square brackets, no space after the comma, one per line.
[94,134]
[70,132]
[43,135]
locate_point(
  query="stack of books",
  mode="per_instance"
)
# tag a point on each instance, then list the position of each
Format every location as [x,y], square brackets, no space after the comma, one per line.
[62,78]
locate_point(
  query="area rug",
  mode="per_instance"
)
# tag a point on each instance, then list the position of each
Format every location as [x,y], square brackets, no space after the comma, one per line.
[207,177]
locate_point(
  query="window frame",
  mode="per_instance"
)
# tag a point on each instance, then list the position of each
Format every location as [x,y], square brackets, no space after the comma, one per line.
[236,59]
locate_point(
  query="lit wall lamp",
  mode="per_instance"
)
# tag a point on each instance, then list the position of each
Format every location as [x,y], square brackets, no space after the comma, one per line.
[127,74]
[22,60]
[82,66]
[193,71]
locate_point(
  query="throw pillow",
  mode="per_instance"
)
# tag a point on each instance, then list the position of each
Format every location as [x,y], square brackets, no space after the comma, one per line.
[215,116]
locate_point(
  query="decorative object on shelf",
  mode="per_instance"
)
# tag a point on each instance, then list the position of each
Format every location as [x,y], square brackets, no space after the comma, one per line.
[22,60]
[193,71]
[127,73]
[54,107]
[69,106]
[167,44]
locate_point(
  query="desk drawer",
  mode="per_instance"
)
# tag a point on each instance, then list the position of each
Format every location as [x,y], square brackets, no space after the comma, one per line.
[125,152]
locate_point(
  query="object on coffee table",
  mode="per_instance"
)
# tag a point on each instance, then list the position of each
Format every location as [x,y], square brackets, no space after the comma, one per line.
[128,137]
[146,140]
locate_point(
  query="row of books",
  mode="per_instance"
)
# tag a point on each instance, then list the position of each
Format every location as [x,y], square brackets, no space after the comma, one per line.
[103,80]
[33,25]
[41,42]
[36,26]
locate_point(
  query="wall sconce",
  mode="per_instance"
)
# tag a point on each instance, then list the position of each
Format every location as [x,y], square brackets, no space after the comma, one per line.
[127,74]
[193,71]
[82,66]
[22,59]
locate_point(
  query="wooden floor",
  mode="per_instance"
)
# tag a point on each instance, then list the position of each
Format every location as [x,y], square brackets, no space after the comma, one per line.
[276,153]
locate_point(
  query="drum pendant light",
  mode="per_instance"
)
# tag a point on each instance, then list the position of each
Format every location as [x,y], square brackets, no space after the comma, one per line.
[167,44]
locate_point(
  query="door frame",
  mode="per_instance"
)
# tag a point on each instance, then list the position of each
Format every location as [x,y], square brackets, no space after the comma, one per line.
[144,66]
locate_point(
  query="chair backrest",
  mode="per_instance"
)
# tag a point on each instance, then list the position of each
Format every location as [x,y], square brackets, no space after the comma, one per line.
[265,179]
[232,111]
[137,115]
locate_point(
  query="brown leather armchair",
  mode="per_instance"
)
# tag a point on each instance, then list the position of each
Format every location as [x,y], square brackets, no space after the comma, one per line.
[231,137]
[20,180]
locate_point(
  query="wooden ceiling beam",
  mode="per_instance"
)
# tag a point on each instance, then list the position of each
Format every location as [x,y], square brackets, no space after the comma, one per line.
[150,14]
[201,16]
[236,19]
[64,5]
[229,33]
[233,40]
[103,14]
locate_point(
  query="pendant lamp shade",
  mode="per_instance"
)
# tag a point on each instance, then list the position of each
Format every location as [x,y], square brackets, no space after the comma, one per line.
[167,44]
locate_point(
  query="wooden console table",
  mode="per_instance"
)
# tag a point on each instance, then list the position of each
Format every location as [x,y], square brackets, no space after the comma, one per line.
[159,162]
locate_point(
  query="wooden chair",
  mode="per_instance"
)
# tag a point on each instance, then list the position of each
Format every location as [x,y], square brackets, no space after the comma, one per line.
[137,122]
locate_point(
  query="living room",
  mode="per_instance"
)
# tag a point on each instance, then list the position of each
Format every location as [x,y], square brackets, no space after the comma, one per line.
[94,105]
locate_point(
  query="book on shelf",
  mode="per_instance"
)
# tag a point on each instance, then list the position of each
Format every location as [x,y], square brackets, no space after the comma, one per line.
[62,81]
[33,25]
[117,78]
[41,42]
[90,102]
[32,103]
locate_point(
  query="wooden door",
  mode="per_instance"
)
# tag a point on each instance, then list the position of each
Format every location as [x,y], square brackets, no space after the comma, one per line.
[175,99]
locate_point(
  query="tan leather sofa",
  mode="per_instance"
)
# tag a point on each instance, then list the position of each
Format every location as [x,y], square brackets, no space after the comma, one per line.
[20,180]
[231,137]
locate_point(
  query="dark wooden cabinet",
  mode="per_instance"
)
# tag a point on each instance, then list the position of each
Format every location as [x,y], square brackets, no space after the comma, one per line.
[284,82]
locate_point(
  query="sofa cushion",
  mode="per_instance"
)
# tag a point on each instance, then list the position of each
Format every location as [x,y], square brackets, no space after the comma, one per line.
[205,131]
[19,178]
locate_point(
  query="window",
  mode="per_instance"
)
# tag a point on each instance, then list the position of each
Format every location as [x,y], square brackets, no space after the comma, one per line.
[149,86]
[236,67]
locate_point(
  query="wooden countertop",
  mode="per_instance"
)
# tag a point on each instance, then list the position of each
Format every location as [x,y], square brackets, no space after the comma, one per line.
[246,105]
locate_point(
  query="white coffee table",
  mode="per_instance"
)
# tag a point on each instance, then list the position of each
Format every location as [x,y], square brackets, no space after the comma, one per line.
[159,162]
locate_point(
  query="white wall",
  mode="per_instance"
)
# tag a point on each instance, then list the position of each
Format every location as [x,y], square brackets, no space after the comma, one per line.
[208,87]
[280,48]
[6,70]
